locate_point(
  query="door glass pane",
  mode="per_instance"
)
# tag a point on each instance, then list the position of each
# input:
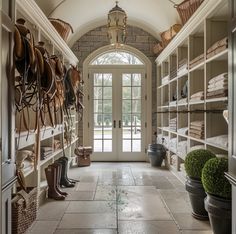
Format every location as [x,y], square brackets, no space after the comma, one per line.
[126,146]
[126,106]
[107,92]
[127,132]
[136,106]
[97,92]
[107,79]
[97,79]
[136,81]
[136,145]
[136,92]
[126,93]
[136,119]
[107,146]
[97,145]
[102,112]
[126,80]
[136,132]
[126,120]
[107,106]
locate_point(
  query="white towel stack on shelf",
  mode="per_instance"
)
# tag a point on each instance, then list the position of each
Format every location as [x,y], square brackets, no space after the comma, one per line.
[183,131]
[173,145]
[197,96]
[221,140]
[218,86]
[182,149]
[183,67]
[173,124]
[197,129]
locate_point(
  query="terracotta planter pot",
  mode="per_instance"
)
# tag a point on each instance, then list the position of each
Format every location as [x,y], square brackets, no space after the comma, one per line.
[197,195]
[219,210]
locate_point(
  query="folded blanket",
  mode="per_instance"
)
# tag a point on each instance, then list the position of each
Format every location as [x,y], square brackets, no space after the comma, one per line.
[216,51]
[197,131]
[198,123]
[223,91]
[183,131]
[219,77]
[198,94]
[198,128]
[218,88]
[218,44]
[218,83]
[218,96]
[221,140]
[196,136]
[182,101]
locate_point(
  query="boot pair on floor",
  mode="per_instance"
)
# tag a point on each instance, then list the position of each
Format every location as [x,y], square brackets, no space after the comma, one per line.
[56,175]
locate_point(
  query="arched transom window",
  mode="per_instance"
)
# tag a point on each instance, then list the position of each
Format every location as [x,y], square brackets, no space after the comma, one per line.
[117,58]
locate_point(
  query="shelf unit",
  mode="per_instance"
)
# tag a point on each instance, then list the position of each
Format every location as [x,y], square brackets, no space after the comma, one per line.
[43,30]
[194,39]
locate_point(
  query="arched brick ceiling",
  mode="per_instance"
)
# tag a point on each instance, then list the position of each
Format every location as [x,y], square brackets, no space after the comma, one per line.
[154,16]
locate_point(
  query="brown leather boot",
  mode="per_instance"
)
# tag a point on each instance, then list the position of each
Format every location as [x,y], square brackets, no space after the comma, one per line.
[58,178]
[51,179]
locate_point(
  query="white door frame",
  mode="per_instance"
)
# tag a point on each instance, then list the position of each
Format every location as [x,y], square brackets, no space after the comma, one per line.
[86,88]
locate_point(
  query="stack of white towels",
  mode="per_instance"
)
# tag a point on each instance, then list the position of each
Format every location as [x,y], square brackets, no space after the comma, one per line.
[198,96]
[218,86]
[173,124]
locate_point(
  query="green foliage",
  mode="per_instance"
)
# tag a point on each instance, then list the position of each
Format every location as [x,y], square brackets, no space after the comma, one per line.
[195,161]
[213,179]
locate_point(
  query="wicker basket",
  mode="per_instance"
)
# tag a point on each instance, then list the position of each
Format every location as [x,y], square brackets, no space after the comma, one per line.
[24,210]
[169,34]
[157,48]
[62,27]
[187,8]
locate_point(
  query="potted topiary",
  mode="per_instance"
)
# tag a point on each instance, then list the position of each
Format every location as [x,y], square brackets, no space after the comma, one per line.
[194,162]
[218,200]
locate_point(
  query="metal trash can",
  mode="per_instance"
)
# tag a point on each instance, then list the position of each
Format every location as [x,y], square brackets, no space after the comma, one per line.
[156,153]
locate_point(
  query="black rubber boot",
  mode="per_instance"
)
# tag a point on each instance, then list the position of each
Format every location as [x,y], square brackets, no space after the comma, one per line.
[64,181]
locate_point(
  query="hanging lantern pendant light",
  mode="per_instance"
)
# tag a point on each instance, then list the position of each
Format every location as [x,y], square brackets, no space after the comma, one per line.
[117,26]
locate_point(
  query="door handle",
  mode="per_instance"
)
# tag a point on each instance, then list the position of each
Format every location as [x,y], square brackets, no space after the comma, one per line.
[119,123]
[114,124]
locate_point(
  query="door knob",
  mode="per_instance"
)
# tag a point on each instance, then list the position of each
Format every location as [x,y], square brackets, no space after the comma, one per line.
[114,124]
[119,123]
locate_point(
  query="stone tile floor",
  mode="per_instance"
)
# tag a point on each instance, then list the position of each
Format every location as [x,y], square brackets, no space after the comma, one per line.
[124,198]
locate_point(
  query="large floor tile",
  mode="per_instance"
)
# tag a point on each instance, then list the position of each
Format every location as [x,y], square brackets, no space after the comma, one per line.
[80,196]
[85,231]
[178,205]
[187,222]
[139,208]
[52,210]
[88,179]
[71,221]
[148,227]
[91,207]
[105,193]
[85,186]
[45,227]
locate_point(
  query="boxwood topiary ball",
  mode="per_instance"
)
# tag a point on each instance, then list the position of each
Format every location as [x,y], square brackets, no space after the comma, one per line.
[213,179]
[195,161]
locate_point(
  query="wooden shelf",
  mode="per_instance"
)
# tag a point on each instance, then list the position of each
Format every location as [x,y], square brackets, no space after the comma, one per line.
[42,162]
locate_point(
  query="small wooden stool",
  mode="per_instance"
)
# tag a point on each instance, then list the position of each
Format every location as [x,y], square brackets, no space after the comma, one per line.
[83,155]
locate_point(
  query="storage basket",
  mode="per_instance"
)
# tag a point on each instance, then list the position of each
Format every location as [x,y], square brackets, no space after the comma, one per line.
[157,48]
[169,34]
[187,8]
[62,27]
[83,156]
[24,210]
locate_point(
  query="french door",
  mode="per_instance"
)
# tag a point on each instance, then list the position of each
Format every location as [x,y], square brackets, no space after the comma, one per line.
[117,114]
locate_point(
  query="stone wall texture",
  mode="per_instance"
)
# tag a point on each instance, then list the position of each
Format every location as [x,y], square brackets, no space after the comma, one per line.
[136,37]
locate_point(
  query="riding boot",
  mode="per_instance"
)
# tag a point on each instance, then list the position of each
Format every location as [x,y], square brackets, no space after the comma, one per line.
[51,179]
[58,177]
[63,181]
[66,160]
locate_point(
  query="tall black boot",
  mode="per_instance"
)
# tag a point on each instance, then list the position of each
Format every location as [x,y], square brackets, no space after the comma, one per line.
[64,182]
[69,179]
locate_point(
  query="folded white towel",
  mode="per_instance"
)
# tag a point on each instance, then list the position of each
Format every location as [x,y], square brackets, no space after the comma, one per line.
[198,94]
[218,83]
[218,78]
[225,87]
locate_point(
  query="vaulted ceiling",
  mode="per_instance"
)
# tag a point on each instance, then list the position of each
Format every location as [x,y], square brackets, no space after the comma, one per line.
[154,16]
